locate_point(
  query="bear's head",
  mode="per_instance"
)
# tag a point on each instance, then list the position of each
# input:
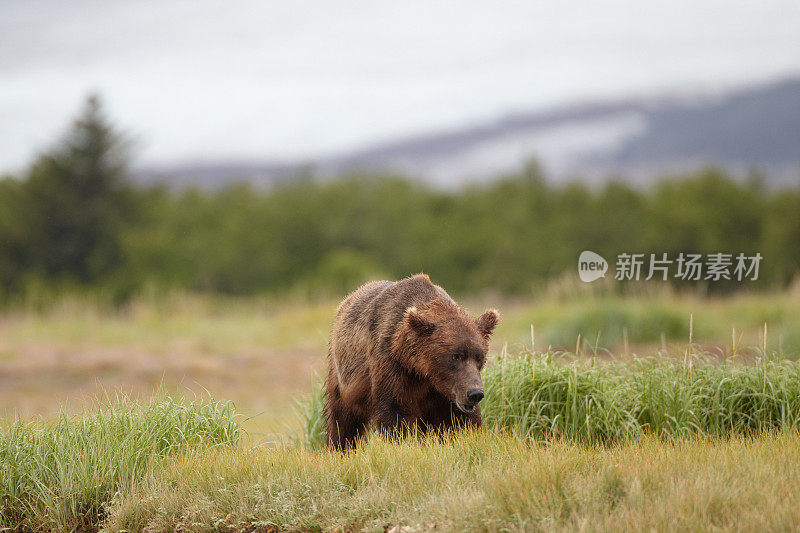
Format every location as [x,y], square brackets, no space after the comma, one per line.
[441,343]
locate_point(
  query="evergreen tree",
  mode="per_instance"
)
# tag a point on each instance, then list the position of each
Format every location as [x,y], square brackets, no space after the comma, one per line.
[78,201]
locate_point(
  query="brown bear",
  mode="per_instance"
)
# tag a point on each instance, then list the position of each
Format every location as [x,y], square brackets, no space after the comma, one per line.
[403,354]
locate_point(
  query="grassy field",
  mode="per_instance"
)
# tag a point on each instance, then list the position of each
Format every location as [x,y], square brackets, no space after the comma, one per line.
[543,396]
[477,482]
[651,444]
[261,354]
[698,431]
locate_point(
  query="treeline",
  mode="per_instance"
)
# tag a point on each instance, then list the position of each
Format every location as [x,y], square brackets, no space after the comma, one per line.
[74,220]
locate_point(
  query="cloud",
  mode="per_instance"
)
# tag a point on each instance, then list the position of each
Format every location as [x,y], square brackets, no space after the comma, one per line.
[202,79]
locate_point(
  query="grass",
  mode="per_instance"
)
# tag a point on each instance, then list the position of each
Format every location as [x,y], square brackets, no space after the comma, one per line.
[64,473]
[626,445]
[538,396]
[64,356]
[700,439]
[646,322]
[486,481]
[73,350]
[175,322]
[545,395]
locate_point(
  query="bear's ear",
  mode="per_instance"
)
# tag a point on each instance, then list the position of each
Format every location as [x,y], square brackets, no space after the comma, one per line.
[487,322]
[417,323]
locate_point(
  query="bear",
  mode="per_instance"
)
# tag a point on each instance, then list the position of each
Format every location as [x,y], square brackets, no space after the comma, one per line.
[402,354]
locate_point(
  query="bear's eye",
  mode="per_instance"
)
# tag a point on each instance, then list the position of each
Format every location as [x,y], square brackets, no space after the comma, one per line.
[456,356]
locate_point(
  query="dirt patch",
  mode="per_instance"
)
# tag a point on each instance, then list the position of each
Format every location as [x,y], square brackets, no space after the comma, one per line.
[39,378]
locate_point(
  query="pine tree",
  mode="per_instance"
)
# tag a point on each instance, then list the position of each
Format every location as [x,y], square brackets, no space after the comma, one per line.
[78,201]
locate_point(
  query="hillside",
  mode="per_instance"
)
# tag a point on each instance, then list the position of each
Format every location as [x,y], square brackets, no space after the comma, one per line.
[751,128]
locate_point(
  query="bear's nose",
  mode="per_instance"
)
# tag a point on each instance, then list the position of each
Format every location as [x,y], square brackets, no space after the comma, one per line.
[474,395]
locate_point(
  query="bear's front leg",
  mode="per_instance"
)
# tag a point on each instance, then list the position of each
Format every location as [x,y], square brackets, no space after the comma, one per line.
[343,426]
[390,420]
[345,422]
[389,416]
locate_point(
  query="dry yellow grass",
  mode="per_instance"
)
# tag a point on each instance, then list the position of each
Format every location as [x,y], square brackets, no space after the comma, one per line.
[260,355]
[477,482]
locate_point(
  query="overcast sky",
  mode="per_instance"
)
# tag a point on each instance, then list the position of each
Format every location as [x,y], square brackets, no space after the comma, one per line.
[195,79]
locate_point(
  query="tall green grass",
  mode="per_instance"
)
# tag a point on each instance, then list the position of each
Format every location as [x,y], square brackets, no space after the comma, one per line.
[310,411]
[62,474]
[540,396]
[544,396]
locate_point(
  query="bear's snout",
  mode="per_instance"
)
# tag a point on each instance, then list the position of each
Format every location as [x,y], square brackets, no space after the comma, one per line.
[474,395]
[467,400]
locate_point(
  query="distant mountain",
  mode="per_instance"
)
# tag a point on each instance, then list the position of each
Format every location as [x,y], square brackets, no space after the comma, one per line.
[756,128]
[752,128]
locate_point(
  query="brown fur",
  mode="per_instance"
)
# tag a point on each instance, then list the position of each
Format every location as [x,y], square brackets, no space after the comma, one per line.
[402,354]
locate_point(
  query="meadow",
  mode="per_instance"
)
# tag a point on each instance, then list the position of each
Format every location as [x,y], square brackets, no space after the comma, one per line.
[124,309]
[565,446]
[650,411]
[67,354]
